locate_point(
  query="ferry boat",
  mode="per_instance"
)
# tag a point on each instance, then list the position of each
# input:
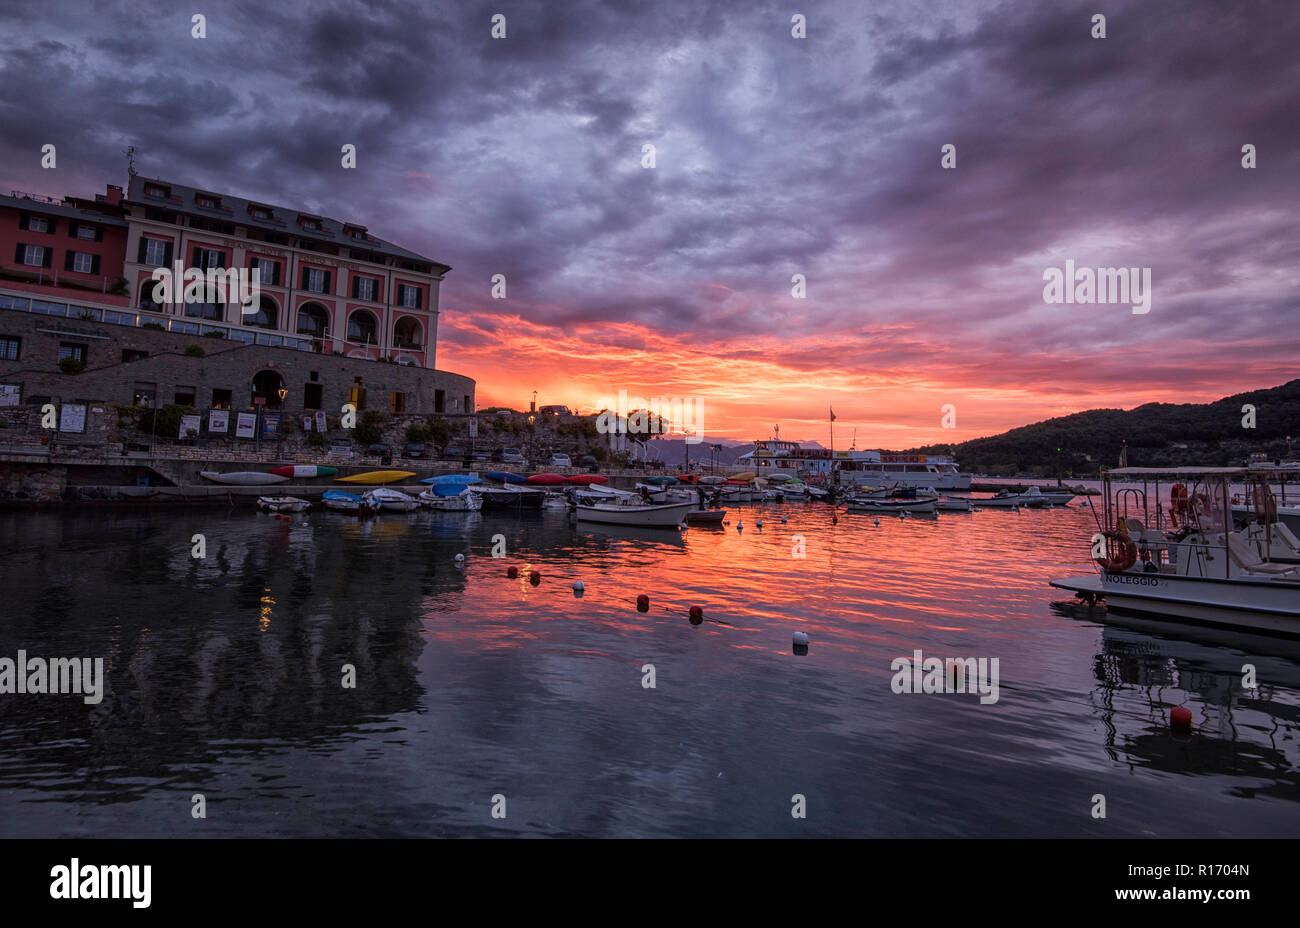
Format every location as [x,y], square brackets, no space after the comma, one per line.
[775,457]
[1185,560]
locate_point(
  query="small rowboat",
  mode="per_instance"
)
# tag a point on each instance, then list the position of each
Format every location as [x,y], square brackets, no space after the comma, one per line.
[586,480]
[242,478]
[282,504]
[890,505]
[706,516]
[394,500]
[547,480]
[464,501]
[713,481]
[348,502]
[372,477]
[304,470]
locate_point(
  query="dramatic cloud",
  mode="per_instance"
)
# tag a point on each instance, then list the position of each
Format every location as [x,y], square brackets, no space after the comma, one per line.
[774,156]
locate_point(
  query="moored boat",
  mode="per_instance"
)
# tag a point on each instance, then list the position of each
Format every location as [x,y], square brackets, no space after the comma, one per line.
[391,500]
[870,504]
[242,478]
[354,503]
[282,504]
[464,501]
[706,516]
[658,515]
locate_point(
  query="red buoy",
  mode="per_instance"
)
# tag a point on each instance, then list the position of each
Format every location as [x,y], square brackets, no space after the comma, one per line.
[643,603]
[697,615]
[534,577]
[1180,717]
[512,572]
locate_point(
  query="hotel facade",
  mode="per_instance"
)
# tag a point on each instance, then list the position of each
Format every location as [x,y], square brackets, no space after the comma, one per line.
[342,315]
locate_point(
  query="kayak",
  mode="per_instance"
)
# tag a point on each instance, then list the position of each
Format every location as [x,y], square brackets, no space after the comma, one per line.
[242,478]
[377,476]
[447,480]
[304,470]
[503,476]
[549,480]
[662,481]
[587,480]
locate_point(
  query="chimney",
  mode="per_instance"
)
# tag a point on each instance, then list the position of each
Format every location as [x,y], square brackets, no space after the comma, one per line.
[114,196]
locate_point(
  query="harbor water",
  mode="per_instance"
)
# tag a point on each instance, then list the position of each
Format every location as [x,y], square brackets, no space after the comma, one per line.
[478,693]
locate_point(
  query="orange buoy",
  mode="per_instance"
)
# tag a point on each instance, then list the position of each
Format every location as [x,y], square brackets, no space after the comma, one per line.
[534,577]
[1180,717]
[697,615]
[643,603]
[512,572]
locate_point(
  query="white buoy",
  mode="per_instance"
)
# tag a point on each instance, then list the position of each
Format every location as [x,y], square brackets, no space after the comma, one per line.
[460,559]
[877,520]
[760,522]
[801,639]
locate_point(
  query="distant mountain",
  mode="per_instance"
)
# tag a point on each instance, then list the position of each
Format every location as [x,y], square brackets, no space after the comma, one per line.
[1158,435]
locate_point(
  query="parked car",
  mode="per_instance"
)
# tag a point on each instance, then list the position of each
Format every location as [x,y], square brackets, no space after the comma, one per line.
[561,460]
[415,449]
[340,447]
[587,461]
[512,456]
[453,453]
[380,451]
[481,454]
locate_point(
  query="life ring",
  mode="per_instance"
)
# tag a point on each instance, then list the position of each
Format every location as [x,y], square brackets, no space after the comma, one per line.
[1177,503]
[1265,505]
[1121,551]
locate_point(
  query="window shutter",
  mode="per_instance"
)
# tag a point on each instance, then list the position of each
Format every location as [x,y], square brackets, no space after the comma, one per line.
[327,282]
[68,257]
[72,230]
[198,254]
[356,287]
[54,225]
[275,273]
[144,244]
[221,259]
[20,253]
[167,254]
[99,233]
[419,298]
[24,221]
[47,257]
[304,278]
[94,264]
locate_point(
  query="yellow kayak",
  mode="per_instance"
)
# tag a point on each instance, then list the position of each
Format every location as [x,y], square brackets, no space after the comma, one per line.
[377,476]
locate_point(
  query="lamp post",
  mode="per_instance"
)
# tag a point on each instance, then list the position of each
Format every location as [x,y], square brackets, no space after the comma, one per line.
[279,432]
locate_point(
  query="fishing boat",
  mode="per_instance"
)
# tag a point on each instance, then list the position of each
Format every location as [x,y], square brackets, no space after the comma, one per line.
[282,504]
[510,496]
[304,470]
[657,515]
[1010,499]
[952,504]
[391,500]
[871,504]
[706,516]
[372,477]
[354,503]
[463,501]
[242,478]
[1188,561]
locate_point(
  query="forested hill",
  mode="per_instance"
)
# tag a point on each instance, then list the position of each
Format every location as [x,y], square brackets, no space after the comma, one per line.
[1158,435]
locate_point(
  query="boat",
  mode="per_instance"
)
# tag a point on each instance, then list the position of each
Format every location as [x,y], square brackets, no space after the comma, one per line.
[504,476]
[282,504]
[510,496]
[371,477]
[706,516]
[952,504]
[658,515]
[463,501]
[586,480]
[713,480]
[242,478]
[450,480]
[304,470]
[546,480]
[871,504]
[1010,499]
[355,503]
[775,457]
[662,481]
[392,500]
[1187,561]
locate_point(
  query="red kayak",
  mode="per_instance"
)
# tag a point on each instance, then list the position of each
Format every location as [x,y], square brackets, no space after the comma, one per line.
[549,480]
[587,480]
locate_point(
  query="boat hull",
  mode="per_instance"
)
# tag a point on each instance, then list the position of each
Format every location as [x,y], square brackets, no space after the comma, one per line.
[668,515]
[1270,606]
[376,477]
[889,505]
[304,470]
[464,502]
[282,504]
[243,478]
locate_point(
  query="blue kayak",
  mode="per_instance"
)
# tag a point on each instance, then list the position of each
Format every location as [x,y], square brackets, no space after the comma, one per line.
[502,476]
[446,480]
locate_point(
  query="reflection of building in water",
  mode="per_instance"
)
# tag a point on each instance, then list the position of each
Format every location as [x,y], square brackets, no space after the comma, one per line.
[1238,731]
[203,656]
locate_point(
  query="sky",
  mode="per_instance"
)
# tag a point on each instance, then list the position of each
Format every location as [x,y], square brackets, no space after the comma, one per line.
[774,156]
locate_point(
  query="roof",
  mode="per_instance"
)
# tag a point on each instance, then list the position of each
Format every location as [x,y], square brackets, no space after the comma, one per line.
[237,210]
[1177,471]
[72,212]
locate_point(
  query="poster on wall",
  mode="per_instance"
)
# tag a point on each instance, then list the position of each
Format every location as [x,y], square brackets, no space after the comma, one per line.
[72,418]
[189,424]
[9,394]
[218,421]
[270,425]
[321,425]
[245,425]
[306,423]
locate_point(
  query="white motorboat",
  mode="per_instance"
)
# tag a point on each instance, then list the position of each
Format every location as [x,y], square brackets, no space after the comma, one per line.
[354,503]
[391,500]
[659,515]
[510,496]
[1009,499]
[1187,562]
[464,501]
[952,504]
[282,504]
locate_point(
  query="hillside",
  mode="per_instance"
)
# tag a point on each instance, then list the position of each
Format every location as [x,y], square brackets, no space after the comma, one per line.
[1158,435]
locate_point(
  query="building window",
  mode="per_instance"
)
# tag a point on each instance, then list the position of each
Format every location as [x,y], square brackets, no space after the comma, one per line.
[72,350]
[365,288]
[439,400]
[268,271]
[83,263]
[205,201]
[361,328]
[312,396]
[144,394]
[37,224]
[185,396]
[311,225]
[205,258]
[9,348]
[154,190]
[259,212]
[220,399]
[88,233]
[33,256]
[408,296]
[313,279]
[207,310]
[357,394]
[130,354]
[155,252]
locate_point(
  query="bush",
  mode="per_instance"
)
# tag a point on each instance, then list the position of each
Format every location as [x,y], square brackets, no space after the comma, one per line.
[315,440]
[418,433]
[214,334]
[195,351]
[71,366]
[153,325]
[369,430]
[168,417]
